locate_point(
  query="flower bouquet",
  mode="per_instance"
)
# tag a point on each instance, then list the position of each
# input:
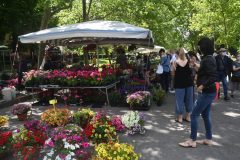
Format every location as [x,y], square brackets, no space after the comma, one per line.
[3,120]
[83,117]
[67,143]
[56,116]
[28,144]
[100,129]
[139,100]
[108,151]
[5,142]
[21,110]
[134,122]
[117,123]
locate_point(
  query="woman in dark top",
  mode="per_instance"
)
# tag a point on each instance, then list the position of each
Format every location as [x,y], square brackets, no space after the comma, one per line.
[206,78]
[183,84]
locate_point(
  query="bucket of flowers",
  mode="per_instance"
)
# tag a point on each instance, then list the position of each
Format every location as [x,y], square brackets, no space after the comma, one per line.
[28,144]
[134,122]
[3,120]
[83,116]
[21,110]
[115,150]
[140,100]
[100,129]
[67,143]
[5,143]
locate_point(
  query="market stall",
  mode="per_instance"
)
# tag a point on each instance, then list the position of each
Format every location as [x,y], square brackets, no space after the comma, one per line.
[92,32]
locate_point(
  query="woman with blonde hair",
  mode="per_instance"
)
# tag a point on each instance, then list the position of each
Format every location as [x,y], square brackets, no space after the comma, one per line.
[183,84]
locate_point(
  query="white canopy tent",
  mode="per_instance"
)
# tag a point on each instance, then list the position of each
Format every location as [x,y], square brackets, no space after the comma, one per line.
[93,32]
[155,49]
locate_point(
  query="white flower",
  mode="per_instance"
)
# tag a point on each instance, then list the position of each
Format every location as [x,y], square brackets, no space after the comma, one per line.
[50,153]
[72,153]
[58,158]
[72,147]
[64,140]
[77,146]
[68,157]
[66,145]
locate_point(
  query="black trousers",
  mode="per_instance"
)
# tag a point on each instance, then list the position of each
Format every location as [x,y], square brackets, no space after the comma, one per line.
[165,80]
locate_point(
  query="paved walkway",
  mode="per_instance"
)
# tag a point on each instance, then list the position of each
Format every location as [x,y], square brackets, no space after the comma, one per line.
[163,133]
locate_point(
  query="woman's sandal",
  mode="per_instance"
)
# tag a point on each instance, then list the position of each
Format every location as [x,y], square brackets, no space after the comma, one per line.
[188,144]
[186,120]
[176,120]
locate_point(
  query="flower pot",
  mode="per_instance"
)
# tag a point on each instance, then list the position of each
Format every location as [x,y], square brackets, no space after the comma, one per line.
[143,107]
[22,117]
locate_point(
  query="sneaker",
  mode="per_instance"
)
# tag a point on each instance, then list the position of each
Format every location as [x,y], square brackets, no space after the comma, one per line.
[226,98]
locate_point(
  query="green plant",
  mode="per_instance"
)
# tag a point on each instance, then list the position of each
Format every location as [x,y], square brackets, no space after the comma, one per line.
[158,95]
[83,117]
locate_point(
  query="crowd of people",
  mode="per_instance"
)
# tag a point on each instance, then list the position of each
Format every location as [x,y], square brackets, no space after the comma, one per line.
[194,77]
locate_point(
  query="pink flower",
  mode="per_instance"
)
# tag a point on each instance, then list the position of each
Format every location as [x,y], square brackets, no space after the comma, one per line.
[65,98]
[85,144]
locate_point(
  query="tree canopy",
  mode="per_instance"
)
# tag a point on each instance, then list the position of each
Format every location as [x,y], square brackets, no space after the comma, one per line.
[174,23]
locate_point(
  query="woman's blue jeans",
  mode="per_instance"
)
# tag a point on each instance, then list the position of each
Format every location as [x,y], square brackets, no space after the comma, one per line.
[203,107]
[184,97]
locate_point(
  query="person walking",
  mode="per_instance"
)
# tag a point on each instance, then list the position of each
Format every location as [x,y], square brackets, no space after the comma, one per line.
[206,78]
[223,63]
[183,84]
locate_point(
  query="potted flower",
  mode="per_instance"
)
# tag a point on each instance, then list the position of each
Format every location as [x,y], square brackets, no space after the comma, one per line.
[139,100]
[5,143]
[117,123]
[21,110]
[28,144]
[115,150]
[56,116]
[3,120]
[158,95]
[100,129]
[67,143]
[35,125]
[83,117]
[134,122]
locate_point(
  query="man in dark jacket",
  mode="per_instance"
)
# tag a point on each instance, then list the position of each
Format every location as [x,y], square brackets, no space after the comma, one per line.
[223,65]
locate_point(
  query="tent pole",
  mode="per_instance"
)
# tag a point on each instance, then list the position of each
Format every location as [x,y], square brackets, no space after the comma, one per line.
[39,51]
[97,56]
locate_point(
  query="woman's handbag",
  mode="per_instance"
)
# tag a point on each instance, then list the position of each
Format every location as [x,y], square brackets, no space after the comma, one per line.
[159,69]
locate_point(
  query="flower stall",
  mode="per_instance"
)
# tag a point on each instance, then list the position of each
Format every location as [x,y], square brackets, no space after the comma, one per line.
[66,81]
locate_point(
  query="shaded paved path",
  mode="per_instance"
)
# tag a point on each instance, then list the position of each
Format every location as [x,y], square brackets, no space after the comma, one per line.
[163,134]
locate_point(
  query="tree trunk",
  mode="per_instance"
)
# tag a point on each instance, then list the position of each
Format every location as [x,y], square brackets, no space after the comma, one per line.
[84,9]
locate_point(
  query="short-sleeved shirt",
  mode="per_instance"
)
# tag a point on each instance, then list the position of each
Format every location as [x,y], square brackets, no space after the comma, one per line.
[236,73]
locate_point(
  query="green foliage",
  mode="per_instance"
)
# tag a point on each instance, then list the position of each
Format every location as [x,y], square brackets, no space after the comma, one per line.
[158,95]
[174,23]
